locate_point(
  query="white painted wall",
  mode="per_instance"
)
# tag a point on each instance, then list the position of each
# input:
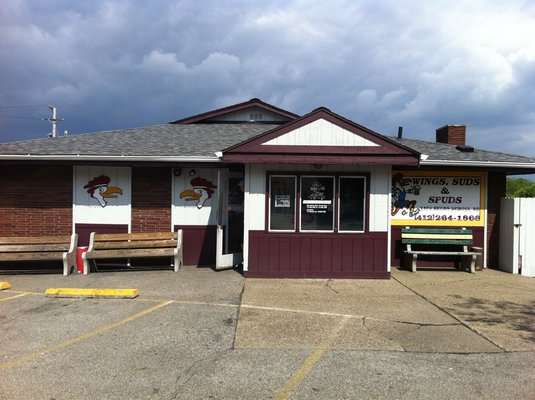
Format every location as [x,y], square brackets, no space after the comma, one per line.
[320,133]
[255,195]
[184,212]
[87,210]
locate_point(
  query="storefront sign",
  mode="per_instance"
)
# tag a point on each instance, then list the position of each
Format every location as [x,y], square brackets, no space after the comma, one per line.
[427,198]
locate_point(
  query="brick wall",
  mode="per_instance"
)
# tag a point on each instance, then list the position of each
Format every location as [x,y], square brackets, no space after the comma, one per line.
[35,200]
[451,134]
[496,190]
[151,199]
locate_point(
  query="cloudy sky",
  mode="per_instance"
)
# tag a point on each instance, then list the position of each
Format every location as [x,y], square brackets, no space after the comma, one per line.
[422,64]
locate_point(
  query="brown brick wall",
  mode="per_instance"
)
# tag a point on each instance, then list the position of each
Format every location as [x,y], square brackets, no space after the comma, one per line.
[451,134]
[151,199]
[35,200]
[496,190]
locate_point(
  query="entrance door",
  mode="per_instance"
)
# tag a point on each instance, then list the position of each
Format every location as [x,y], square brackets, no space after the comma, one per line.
[230,223]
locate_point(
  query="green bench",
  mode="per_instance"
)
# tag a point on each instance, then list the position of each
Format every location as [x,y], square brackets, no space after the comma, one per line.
[459,238]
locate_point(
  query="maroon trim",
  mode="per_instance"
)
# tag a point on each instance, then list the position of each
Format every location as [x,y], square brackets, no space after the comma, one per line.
[256,158]
[236,107]
[317,255]
[200,243]
[387,145]
[84,231]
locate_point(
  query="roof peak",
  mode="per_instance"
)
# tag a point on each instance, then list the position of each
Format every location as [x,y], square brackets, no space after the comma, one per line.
[281,114]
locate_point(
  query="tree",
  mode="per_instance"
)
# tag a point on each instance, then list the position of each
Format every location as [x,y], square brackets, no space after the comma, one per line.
[520,187]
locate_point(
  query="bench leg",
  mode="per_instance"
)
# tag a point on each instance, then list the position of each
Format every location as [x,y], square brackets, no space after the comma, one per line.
[414,259]
[177,261]
[473,264]
[86,264]
[66,264]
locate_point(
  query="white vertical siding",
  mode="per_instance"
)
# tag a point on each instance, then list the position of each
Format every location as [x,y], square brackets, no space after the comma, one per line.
[320,133]
[379,194]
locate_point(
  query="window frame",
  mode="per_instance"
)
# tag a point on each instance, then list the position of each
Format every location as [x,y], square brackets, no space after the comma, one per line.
[364,204]
[297,174]
[269,202]
[305,175]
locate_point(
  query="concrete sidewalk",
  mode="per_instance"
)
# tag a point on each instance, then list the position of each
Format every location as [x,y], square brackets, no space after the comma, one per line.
[498,305]
[423,312]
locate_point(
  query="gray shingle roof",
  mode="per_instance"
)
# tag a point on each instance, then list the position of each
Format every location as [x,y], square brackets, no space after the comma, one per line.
[441,151]
[201,140]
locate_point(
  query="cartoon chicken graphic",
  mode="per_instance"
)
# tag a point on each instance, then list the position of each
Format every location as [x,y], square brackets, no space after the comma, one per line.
[201,190]
[99,189]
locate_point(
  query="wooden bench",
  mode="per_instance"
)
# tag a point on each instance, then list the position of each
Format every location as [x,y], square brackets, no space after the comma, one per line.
[437,237]
[41,248]
[134,245]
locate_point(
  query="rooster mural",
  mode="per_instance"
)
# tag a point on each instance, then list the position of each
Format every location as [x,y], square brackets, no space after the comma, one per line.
[99,189]
[201,190]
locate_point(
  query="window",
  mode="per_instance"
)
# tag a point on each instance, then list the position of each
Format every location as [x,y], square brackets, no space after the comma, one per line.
[351,204]
[282,189]
[317,203]
[335,203]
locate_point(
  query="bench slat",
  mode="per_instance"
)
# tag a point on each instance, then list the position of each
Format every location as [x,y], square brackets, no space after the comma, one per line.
[460,242]
[434,236]
[444,253]
[146,244]
[31,256]
[121,237]
[35,240]
[436,230]
[33,248]
[129,253]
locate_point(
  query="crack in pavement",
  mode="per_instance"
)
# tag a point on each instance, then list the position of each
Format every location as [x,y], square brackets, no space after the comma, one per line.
[328,285]
[350,316]
[183,378]
[477,332]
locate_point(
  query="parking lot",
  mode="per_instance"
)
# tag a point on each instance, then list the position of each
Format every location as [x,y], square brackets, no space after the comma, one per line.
[213,335]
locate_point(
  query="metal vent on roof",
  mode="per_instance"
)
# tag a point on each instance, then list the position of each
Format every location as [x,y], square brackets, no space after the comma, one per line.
[465,148]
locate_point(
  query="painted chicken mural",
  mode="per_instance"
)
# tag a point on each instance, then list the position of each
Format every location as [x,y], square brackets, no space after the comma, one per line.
[99,189]
[201,190]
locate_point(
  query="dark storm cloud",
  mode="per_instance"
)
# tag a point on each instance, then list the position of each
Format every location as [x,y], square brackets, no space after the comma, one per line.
[112,64]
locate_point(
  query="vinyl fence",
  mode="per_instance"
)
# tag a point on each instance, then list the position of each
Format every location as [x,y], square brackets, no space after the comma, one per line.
[517,236]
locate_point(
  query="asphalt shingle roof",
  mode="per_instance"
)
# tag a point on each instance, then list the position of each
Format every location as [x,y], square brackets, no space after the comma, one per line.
[442,151]
[200,140]
[203,140]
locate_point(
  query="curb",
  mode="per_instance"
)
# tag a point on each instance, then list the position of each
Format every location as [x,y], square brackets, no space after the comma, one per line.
[93,293]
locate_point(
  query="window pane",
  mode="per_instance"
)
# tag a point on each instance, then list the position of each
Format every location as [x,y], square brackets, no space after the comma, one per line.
[282,204]
[351,204]
[317,200]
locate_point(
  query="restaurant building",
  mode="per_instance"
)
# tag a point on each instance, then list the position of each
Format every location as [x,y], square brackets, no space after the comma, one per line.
[283,195]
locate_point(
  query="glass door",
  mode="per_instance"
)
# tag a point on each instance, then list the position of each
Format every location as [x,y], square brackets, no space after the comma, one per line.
[230,224]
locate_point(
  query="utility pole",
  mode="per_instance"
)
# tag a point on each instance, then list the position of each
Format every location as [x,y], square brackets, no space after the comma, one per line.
[53,120]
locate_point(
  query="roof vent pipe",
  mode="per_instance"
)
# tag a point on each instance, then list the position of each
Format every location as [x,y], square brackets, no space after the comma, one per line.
[400,132]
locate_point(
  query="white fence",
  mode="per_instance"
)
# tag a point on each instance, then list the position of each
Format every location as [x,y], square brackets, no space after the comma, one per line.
[517,227]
